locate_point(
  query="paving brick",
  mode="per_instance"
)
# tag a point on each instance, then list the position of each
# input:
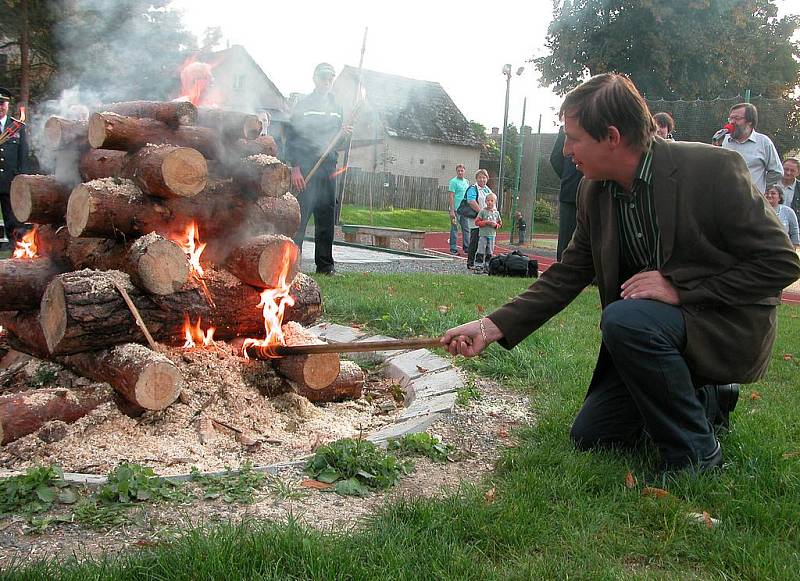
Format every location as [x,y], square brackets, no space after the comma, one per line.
[373,356]
[412,426]
[432,384]
[414,364]
[424,406]
[334,333]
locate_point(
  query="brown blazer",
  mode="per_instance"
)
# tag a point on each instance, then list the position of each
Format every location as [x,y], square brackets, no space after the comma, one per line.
[723,249]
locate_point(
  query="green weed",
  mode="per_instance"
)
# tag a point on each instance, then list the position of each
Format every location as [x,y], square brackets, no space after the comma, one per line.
[239,487]
[421,444]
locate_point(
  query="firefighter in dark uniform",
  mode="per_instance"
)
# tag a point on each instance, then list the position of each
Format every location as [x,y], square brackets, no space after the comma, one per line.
[13,160]
[315,122]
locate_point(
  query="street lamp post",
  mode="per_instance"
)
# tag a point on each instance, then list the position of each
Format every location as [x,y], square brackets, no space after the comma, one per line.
[507,73]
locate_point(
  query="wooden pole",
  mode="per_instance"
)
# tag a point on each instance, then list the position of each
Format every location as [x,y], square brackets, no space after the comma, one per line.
[352,347]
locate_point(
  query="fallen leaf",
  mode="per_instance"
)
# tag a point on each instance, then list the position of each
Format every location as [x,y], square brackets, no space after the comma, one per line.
[654,492]
[490,494]
[704,518]
[630,480]
[480,308]
[391,290]
[316,484]
[787,455]
[754,395]
[444,309]
[707,519]
[787,357]
[503,433]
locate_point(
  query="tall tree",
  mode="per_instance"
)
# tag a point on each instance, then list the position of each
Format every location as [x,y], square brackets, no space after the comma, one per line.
[684,49]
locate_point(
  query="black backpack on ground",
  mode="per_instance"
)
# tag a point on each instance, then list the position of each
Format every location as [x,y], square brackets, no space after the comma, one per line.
[513,264]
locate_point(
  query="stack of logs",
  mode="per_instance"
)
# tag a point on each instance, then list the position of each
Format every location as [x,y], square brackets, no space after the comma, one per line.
[110,276]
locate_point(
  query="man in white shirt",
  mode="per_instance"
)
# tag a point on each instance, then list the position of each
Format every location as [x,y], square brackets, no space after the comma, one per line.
[756,148]
[791,168]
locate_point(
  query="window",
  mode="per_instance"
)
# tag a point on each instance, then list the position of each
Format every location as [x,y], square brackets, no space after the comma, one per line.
[421,161]
[238,82]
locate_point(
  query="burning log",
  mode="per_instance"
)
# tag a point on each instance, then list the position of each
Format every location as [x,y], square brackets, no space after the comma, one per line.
[24,280]
[84,311]
[155,264]
[264,174]
[24,413]
[39,199]
[60,133]
[143,377]
[165,171]
[112,131]
[349,384]
[307,308]
[311,372]
[52,242]
[230,124]
[259,262]
[172,113]
[262,145]
[274,215]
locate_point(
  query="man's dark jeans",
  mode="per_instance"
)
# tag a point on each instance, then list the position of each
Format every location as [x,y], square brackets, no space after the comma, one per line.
[319,199]
[643,382]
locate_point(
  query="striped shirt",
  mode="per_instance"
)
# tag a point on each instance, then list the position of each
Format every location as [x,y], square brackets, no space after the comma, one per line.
[639,236]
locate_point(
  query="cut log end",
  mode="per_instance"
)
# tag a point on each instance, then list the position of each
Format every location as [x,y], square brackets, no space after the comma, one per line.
[163,267]
[21,202]
[319,371]
[53,315]
[158,386]
[97,131]
[52,132]
[78,211]
[185,171]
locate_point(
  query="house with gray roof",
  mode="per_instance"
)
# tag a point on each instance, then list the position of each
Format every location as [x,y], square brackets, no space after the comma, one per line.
[406,127]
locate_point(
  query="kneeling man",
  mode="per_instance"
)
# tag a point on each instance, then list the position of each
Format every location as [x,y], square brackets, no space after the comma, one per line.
[689,293]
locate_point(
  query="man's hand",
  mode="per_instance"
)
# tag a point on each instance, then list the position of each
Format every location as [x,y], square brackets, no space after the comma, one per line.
[347,130]
[298,182]
[650,285]
[452,214]
[467,339]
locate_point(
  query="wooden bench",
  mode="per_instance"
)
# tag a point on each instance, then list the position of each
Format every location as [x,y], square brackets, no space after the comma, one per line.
[382,236]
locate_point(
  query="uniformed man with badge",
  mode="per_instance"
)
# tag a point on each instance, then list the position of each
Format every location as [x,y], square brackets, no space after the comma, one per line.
[315,122]
[13,161]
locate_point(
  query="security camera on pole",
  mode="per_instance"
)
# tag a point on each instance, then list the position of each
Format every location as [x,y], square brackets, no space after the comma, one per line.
[500,192]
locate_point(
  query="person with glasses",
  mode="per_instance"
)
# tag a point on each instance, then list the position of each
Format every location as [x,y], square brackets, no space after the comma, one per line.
[756,148]
[785,214]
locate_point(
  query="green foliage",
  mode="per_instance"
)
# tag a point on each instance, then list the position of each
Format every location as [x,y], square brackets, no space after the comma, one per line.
[129,483]
[102,516]
[35,491]
[421,444]
[238,487]
[467,393]
[544,212]
[46,374]
[674,50]
[356,466]
[413,219]
[285,489]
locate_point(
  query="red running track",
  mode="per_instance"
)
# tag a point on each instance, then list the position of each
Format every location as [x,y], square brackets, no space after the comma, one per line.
[440,242]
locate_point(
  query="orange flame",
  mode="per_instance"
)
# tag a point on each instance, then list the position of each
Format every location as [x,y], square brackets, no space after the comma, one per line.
[194,334]
[26,247]
[197,83]
[22,113]
[193,248]
[273,302]
[339,172]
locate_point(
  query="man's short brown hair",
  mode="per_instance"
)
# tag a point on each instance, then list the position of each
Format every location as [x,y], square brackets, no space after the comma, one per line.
[611,99]
[750,113]
[794,160]
[461,165]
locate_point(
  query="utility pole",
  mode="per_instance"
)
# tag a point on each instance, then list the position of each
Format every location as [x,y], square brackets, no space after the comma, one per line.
[536,175]
[520,149]
[507,73]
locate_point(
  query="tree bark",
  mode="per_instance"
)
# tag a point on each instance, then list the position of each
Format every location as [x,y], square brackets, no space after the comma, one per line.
[167,171]
[261,260]
[231,125]
[172,113]
[349,384]
[24,280]
[143,377]
[261,145]
[264,174]
[39,199]
[307,308]
[309,371]
[96,164]
[60,133]
[52,242]
[112,131]
[24,413]
[155,264]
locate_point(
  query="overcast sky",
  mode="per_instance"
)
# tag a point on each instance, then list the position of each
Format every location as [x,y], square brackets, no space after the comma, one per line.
[462,45]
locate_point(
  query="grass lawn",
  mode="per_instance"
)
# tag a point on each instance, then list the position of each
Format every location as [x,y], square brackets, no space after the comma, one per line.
[428,220]
[557,513]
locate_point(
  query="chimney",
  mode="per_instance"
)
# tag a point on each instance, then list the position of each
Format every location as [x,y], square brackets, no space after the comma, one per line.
[527,130]
[495,131]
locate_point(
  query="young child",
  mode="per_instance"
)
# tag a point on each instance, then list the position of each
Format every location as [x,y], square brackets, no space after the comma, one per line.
[489,221]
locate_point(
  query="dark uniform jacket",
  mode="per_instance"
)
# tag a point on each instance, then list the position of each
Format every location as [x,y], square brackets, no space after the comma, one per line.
[316,119]
[723,250]
[13,153]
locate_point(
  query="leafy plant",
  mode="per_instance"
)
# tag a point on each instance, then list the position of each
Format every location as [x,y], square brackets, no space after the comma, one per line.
[100,517]
[35,491]
[285,489]
[356,466]
[132,482]
[231,486]
[467,393]
[544,212]
[421,444]
[44,375]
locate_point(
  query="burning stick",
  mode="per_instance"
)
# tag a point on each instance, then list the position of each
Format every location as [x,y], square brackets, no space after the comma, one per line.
[348,347]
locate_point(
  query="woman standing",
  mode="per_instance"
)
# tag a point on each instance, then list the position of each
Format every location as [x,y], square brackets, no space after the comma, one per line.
[785,214]
[476,197]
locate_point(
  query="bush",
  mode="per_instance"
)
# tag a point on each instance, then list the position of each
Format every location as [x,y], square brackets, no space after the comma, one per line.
[544,213]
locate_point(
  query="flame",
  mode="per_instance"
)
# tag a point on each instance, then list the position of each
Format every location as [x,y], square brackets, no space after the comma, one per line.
[273,303]
[197,83]
[22,114]
[194,334]
[339,172]
[193,248]
[26,247]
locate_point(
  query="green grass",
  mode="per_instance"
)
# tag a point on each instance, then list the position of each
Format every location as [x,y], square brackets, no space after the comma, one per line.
[412,219]
[557,513]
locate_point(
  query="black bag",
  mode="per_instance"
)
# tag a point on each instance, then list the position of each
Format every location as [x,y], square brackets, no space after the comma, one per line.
[513,264]
[464,209]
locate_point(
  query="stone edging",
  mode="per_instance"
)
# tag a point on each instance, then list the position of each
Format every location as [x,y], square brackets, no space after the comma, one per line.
[431,383]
